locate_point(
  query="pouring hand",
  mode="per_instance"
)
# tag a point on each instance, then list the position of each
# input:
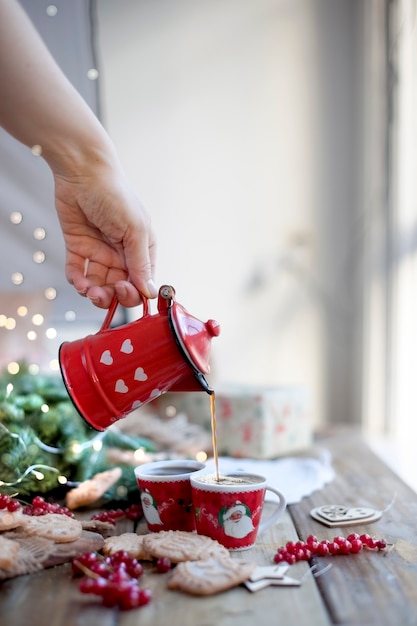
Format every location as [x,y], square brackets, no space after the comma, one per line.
[110,246]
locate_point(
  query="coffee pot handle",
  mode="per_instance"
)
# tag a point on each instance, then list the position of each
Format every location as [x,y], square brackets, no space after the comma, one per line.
[112,309]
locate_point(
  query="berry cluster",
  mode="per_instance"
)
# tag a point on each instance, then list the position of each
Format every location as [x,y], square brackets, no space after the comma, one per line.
[40,506]
[294,551]
[8,503]
[115,579]
[133,512]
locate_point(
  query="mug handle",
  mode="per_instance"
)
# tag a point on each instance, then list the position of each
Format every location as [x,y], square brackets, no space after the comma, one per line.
[278,511]
[112,309]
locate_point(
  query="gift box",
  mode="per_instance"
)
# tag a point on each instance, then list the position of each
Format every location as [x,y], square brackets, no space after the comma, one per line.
[251,422]
[262,423]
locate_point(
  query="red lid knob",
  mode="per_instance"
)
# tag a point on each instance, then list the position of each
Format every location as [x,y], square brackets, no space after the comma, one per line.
[213,328]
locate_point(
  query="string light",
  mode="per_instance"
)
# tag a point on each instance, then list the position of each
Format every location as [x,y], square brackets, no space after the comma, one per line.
[35,470]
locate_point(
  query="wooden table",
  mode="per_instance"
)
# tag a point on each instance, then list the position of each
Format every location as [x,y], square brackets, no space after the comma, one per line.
[366,588]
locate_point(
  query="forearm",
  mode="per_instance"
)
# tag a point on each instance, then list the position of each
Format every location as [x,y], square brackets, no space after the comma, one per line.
[38,105]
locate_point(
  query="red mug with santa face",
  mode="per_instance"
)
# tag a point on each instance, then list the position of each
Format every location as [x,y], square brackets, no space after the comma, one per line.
[165,493]
[228,507]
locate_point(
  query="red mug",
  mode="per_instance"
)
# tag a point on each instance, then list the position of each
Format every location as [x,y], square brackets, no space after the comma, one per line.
[110,374]
[166,494]
[229,509]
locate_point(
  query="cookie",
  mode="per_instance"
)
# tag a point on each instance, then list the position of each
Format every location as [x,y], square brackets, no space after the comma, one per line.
[53,526]
[9,520]
[180,545]
[209,576]
[8,553]
[105,529]
[92,489]
[131,543]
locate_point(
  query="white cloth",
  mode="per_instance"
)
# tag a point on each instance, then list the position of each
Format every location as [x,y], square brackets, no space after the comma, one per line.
[295,477]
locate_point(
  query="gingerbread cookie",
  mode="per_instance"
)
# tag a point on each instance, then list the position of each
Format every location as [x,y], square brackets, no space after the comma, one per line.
[92,489]
[53,526]
[131,543]
[8,552]
[180,545]
[209,576]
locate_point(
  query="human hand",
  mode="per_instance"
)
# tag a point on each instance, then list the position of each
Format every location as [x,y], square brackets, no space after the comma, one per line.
[110,245]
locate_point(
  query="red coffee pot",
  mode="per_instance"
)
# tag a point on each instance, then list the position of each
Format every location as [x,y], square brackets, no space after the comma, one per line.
[115,371]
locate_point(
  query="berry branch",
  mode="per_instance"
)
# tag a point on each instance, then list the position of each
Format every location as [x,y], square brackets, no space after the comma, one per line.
[295,551]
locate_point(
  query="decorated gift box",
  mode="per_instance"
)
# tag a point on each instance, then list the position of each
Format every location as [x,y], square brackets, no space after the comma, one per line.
[252,422]
[262,423]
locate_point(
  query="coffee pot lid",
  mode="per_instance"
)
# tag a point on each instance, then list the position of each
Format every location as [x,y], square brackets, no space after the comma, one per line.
[193,336]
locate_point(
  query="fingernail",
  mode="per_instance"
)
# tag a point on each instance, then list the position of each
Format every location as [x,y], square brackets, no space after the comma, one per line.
[152,288]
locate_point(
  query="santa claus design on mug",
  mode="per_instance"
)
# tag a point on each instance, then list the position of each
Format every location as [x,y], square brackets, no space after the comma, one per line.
[150,508]
[236,520]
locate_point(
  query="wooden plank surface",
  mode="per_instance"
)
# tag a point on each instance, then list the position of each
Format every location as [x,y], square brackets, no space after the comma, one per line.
[368,588]
[371,587]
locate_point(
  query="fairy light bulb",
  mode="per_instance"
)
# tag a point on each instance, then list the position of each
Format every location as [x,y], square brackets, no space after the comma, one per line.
[10,323]
[16,217]
[97,445]
[39,234]
[17,278]
[50,293]
[201,456]
[37,319]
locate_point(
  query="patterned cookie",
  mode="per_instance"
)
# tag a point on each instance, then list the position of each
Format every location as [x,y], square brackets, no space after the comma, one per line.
[204,578]
[9,521]
[180,545]
[53,526]
[8,552]
[92,489]
[131,543]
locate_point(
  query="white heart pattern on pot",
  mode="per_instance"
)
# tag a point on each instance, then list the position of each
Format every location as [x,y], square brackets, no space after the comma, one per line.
[121,386]
[127,347]
[140,374]
[106,358]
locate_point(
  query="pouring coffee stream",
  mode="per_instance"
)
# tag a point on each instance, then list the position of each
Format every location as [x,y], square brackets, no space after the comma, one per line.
[117,370]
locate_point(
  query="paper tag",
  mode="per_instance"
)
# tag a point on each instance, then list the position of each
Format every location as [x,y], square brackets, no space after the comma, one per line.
[340,515]
[286,581]
[269,571]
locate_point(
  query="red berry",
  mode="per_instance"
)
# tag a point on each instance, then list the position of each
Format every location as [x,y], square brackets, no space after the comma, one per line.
[356,545]
[322,549]
[163,565]
[334,548]
[4,501]
[13,505]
